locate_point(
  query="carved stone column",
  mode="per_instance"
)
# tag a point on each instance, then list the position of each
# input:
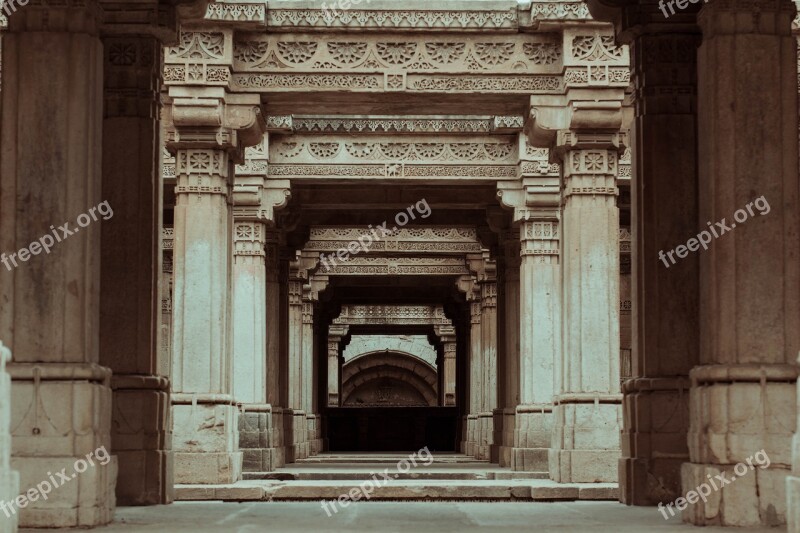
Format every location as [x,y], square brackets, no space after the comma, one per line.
[587,406]
[475,375]
[211,129]
[50,173]
[666,300]
[540,338]
[335,336]
[743,393]
[511,375]
[255,312]
[308,363]
[489,359]
[447,337]
[294,447]
[130,266]
[9,479]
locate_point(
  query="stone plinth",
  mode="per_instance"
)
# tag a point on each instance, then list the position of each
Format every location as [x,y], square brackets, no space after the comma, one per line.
[261,438]
[206,448]
[141,438]
[9,479]
[51,434]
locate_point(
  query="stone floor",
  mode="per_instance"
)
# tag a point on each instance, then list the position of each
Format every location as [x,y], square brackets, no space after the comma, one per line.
[439,517]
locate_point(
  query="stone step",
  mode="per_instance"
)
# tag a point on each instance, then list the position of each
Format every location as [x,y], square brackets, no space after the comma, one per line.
[400,490]
[386,459]
[362,475]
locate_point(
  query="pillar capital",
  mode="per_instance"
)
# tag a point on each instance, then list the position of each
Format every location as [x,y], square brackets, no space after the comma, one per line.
[211,118]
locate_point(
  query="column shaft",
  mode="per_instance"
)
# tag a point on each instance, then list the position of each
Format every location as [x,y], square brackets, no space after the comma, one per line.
[587,408]
[202,255]
[540,341]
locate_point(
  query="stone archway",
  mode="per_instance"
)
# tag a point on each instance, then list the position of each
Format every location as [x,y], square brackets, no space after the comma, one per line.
[392,366]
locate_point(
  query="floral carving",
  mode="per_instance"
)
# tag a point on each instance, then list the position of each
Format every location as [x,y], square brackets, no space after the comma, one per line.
[396,53]
[348,53]
[595,48]
[199,45]
[324,150]
[297,52]
[494,53]
[249,51]
[445,52]
[542,53]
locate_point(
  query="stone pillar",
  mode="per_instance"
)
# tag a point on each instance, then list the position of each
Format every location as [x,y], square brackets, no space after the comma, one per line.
[489,359]
[511,378]
[9,479]
[475,376]
[447,392]
[743,393]
[51,121]
[130,266]
[211,127]
[297,435]
[249,304]
[335,336]
[540,338]
[307,363]
[665,300]
[585,446]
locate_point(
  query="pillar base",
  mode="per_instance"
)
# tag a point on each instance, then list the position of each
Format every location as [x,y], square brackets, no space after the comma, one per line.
[9,489]
[206,439]
[757,498]
[141,438]
[653,439]
[261,438]
[60,414]
[585,445]
[314,435]
[471,445]
[484,436]
[793,504]
[533,433]
[499,446]
[86,501]
[736,412]
[295,434]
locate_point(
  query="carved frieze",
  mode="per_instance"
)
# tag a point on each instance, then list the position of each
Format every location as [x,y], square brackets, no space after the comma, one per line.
[368,150]
[392,314]
[431,239]
[398,265]
[382,124]
[398,53]
[399,20]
